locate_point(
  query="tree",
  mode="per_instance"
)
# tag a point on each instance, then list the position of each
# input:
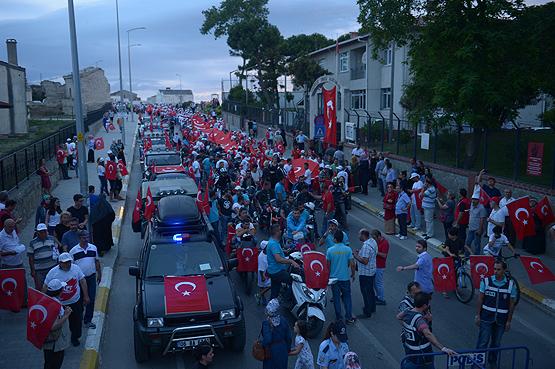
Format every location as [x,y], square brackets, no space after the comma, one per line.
[304,69]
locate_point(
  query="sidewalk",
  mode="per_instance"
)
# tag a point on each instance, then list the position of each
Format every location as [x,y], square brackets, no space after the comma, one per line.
[543,294]
[17,352]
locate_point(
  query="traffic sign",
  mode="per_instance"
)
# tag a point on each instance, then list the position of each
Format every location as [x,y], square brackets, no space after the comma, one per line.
[80,136]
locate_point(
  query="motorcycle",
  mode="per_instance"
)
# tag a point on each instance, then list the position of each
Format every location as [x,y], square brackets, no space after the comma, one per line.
[311,225]
[305,303]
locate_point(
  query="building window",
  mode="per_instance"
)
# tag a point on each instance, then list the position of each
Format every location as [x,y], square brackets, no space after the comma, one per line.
[388,56]
[358,99]
[344,62]
[320,100]
[385,102]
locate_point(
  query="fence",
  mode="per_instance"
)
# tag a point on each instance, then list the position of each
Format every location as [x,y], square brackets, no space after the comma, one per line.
[289,118]
[503,152]
[20,165]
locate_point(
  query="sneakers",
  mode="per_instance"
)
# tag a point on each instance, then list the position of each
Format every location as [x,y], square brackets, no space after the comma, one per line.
[90,325]
[398,235]
[403,237]
[350,321]
[380,302]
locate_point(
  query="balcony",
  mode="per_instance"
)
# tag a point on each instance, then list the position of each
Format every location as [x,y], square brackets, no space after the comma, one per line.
[358,72]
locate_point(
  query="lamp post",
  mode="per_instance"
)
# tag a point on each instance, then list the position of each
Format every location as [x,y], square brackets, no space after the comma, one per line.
[180,90]
[77,104]
[120,74]
[129,46]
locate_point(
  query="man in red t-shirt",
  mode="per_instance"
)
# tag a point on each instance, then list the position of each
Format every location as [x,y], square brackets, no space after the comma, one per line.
[462,215]
[381,257]
[328,206]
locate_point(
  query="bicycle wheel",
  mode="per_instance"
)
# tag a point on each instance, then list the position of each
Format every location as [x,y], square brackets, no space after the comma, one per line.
[465,289]
[517,299]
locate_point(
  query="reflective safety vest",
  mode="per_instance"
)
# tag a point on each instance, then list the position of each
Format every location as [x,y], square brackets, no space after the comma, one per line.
[413,341]
[496,301]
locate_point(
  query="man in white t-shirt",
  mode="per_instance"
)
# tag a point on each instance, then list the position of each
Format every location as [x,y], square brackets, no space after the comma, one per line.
[71,274]
[415,215]
[196,170]
[307,175]
[357,151]
[497,215]
[496,243]
[507,198]
[263,278]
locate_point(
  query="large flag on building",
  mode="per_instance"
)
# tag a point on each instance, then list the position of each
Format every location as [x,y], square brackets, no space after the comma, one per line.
[186,294]
[330,116]
[43,311]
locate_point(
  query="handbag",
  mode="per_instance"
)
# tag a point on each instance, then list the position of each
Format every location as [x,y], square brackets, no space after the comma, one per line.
[259,352]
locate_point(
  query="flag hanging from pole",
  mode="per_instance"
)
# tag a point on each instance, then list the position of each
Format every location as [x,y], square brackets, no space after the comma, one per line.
[330,116]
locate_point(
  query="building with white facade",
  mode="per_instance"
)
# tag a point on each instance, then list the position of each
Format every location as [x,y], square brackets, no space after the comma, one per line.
[170,96]
[13,94]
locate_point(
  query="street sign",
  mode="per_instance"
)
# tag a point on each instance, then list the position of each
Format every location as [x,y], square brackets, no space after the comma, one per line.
[80,137]
[425,141]
[350,131]
[319,129]
[535,159]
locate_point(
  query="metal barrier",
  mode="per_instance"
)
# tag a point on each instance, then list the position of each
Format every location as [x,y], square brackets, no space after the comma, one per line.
[513,357]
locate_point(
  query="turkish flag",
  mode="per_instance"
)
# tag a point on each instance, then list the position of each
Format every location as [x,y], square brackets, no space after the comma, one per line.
[186,294]
[315,269]
[69,290]
[137,209]
[99,143]
[43,311]
[521,217]
[441,188]
[12,289]
[247,259]
[330,116]
[418,198]
[481,266]
[167,140]
[291,176]
[122,168]
[149,205]
[444,274]
[111,171]
[60,155]
[298,167]
[537,271]
[544,211]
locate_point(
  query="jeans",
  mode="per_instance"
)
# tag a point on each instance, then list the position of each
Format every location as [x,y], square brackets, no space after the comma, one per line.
[378,284]
[490,333]
[462,232]
[429,219]
[474,241]
[325,221]
[415,216]
[63,169]
[103,185]
[76,319]
[223,227]
[446,227]
[216,227]
[367,291]
[91,288]
[341,291]
[53,360]
[380,186]
[276,280]
[402,219]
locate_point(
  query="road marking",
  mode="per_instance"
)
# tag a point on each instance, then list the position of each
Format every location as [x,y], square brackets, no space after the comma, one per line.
[381,351]
[528,325]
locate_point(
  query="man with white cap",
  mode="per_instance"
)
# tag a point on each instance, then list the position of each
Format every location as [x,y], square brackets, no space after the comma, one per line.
[263,278]
[43,252]
[74,294]
[415,215]
[58,339]
[85,255]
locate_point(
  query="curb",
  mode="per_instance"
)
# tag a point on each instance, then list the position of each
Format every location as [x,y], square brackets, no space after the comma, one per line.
[530,294]
[90,359]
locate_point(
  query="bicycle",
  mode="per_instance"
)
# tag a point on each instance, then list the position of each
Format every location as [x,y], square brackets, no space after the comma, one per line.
[465,289]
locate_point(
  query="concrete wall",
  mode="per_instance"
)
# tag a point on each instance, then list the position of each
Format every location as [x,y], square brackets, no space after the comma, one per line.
[95,90]
[18,99]
[232,121]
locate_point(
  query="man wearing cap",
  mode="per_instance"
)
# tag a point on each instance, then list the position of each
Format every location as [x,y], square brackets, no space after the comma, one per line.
[74,294]
[85,255]
[327,237]
[79,211]
[11,249]
[43,252]
[476,222]
[58,338]
[415,215]
[334,348]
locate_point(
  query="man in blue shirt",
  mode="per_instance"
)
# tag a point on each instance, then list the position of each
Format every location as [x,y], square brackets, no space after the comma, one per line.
[295,224]
[280,192]
[423,268]
[277,263]
[341,264]
[327,238]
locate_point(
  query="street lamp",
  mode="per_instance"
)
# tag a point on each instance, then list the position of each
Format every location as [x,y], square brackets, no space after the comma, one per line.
[129,46]
[180,91]
[120,74]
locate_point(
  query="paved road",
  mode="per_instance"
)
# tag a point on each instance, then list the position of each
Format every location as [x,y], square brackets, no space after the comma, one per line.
[376,339]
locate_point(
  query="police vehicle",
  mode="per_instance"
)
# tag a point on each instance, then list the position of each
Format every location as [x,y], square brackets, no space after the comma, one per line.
[179,245]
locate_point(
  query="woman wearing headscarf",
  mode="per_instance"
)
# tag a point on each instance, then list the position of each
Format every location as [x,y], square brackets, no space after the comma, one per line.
[102,217]
[276,337]
[351,361]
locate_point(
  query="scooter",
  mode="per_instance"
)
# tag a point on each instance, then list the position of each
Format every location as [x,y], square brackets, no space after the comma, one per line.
[307,304]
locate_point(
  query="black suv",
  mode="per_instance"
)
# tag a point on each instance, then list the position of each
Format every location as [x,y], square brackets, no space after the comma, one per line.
[178,243]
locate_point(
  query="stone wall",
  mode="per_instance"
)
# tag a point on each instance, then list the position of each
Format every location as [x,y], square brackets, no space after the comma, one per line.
[54,92]
[95,89]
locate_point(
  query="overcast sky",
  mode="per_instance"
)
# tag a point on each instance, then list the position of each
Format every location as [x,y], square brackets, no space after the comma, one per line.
[171,44]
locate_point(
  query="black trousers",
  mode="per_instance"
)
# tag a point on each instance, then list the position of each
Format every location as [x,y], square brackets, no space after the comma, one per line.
[368,296]
[76,319]
[53,360]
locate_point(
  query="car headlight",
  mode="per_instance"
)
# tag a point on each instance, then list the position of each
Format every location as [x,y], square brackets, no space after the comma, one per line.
[155,322]
[227,314]
[308,293]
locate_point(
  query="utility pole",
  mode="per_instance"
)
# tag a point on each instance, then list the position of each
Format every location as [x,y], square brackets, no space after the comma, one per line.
[77,104]
[129,46]
[120,75]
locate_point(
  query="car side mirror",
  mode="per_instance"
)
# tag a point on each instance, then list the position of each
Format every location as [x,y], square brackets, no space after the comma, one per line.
[134,271]
[232,264]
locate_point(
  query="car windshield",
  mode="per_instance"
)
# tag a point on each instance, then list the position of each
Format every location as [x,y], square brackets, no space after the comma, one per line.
[163,159]
[158,141]
[168,176]
[183,259]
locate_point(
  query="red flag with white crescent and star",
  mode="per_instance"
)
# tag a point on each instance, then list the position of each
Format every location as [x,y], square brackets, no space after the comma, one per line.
[99,143]
[315,269]
[247,259]
[330,116]
[69,290]
[149,205]
[43,311]
[12,289]
[544,211]
[137,209]
[186,294]
[536,269]
[444,274]
[481,266]
[111,170]
[122,168]
[484,197]
[521,217]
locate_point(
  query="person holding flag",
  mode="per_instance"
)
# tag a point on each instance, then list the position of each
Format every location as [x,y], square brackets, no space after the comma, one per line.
[58,338]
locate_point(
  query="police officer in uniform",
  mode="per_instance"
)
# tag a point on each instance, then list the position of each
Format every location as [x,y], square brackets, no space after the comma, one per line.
[417,337]
[496,305]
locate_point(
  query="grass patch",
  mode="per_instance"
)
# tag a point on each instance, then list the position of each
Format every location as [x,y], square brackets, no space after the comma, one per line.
[38,129]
